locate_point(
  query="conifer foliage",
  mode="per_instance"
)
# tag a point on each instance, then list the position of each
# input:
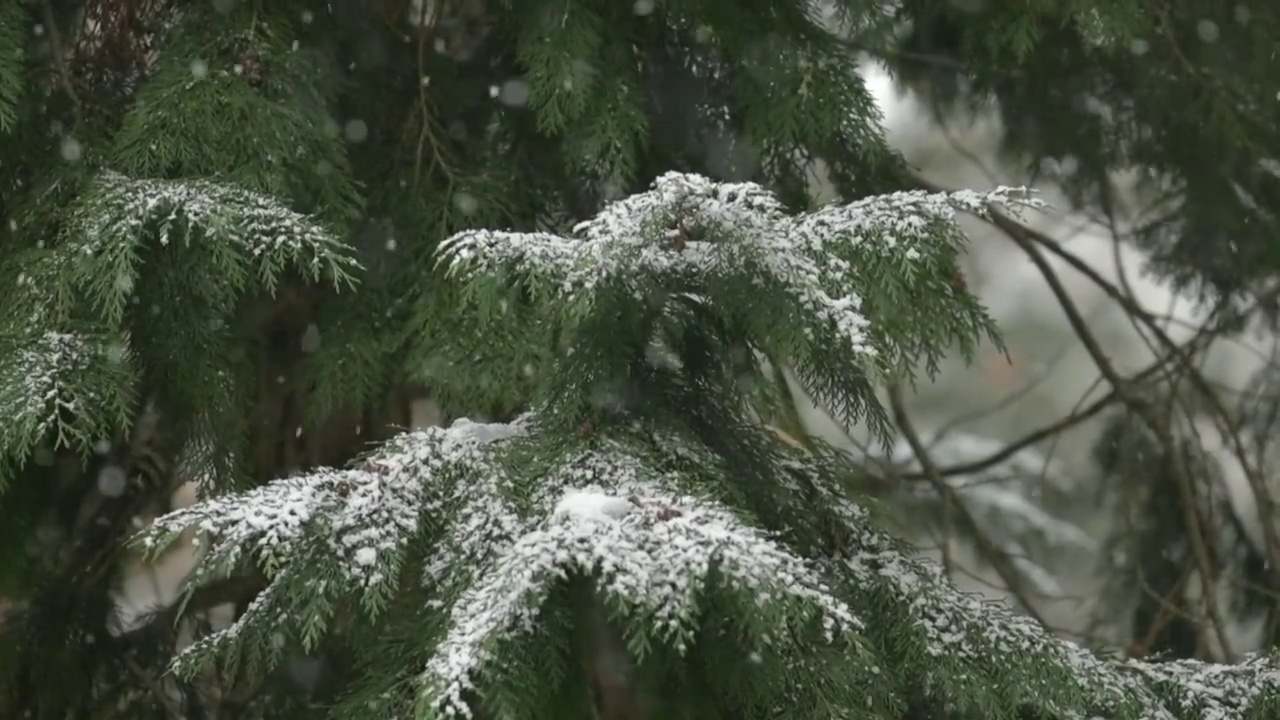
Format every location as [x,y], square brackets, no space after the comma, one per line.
[235,232]
[625,492]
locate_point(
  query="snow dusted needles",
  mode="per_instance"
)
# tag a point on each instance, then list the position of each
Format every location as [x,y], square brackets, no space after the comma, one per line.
[651,556]
[690,229]
[841,295]
[502,542]
[473,552]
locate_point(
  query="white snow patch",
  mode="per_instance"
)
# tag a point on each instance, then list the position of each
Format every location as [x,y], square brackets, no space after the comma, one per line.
[593,505]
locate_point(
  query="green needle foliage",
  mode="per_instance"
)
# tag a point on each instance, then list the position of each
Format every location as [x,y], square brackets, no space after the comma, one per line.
[636,503]
[235,236]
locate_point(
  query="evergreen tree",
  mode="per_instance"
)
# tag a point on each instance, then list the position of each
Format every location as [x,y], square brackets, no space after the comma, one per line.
[235,232]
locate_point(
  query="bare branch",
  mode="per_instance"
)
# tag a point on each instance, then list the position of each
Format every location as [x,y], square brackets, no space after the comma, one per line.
[1140,406]
[999,560]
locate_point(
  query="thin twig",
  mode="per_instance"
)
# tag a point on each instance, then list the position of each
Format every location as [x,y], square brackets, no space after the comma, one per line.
[1048,431]
[1157,423]
[1029,239]
[999,560]
[171,706]
[60,57]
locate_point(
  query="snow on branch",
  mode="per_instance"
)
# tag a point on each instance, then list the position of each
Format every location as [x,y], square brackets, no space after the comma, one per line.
[244,232]
[960,630]
[77,386]
[653,556]
[1040,669]
[364,515]
[955,632]
[691,230]
[504,515]
[501,536]
[839,295]
[1209,691]
[33,388]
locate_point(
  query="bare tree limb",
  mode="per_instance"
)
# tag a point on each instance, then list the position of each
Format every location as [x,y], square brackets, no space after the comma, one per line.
[999,560]
[1029,241]
[1140,406]
[1048,431]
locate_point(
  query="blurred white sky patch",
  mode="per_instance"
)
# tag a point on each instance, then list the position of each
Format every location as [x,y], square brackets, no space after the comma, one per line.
[881,88]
